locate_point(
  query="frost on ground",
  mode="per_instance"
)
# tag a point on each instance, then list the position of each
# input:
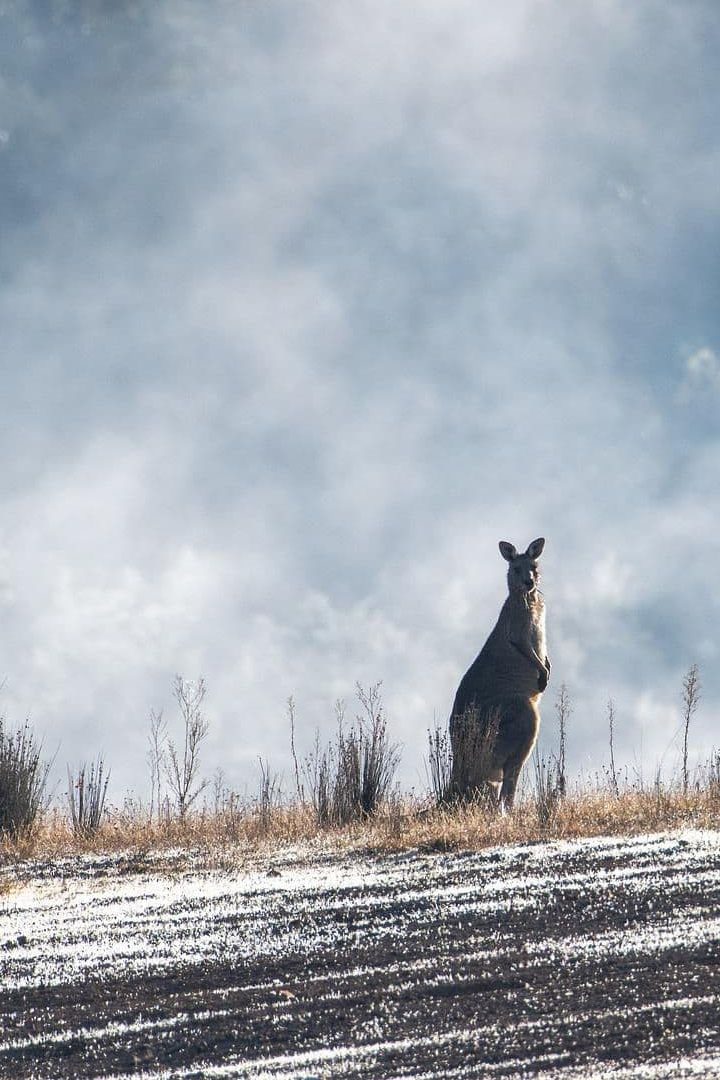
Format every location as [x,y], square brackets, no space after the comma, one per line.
[596,958]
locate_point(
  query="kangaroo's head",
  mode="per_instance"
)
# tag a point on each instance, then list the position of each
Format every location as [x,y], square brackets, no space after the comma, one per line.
[523,573]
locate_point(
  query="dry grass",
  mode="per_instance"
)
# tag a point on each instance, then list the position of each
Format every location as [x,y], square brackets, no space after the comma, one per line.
[226,838]
[342,801]
[123,830]
[471,826]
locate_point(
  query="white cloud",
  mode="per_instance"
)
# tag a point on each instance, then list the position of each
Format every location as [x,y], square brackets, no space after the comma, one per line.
[703,368]
[700,377]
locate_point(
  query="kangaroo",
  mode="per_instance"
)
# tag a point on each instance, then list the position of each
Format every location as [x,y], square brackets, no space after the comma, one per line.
[495,718]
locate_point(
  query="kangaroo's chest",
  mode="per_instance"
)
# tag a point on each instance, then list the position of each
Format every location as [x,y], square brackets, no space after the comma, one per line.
[524,623]
[536,631]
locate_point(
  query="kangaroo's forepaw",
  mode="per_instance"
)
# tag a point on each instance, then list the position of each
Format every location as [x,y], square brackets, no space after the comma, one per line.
[542,680]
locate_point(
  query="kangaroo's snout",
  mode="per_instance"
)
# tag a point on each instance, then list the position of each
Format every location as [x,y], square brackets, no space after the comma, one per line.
[523,574]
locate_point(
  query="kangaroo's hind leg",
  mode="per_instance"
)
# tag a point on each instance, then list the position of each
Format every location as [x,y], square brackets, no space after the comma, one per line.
[509,784]
[517,739]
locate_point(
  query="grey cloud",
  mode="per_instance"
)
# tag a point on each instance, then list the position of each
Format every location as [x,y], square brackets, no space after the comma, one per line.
[303,309]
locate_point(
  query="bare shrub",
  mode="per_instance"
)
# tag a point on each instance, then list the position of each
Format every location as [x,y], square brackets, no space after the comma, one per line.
[548,790]
[349,778]
[23,779]
[86,797]
[664,793]
[712,775]
[157,738]
[345,775]
[474,737]
[550,774]
[220,790]
[270,793]
[319,772]
[438,764]
[231,816]
[378,757]
[229,810]
[182,768]
[691,699]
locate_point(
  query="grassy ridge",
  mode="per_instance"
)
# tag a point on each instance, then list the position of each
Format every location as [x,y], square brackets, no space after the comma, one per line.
[344,797]
[400,825]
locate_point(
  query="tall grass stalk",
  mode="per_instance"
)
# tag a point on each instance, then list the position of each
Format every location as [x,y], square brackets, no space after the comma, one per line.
[563,710]
[613,772]
[291,717]
[691,699]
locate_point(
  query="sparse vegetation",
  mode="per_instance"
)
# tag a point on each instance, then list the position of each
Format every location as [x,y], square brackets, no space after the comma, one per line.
[691,699]
[550,776]
[299,790]
[182,766]
[350,777]
[711,779]
[343,794]
[614,784]
[563,711]
[270,794]
[473,739]
[438,764]
[157,737]
[243,827]
[548,792]
[86,797]
[23,780]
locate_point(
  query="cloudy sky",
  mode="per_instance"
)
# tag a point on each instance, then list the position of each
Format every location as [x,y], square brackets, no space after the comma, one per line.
[306,305]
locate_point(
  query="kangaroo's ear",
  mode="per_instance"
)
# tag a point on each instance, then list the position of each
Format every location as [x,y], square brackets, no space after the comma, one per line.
[507,550]
[535,549]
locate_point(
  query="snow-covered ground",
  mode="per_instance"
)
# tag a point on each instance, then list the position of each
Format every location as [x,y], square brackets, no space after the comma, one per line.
[570,959]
